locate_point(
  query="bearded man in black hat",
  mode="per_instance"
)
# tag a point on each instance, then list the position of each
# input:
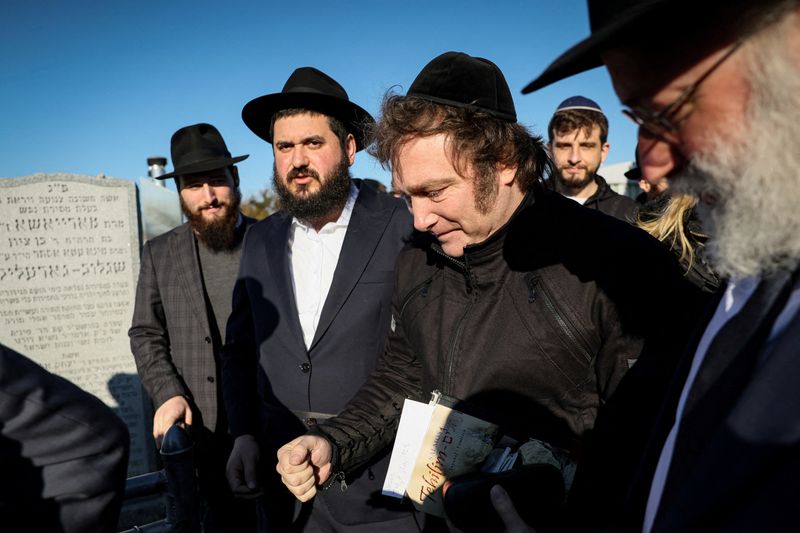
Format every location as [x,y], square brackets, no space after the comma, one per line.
[312,302]
[494,305]
[714,87]
[183,300]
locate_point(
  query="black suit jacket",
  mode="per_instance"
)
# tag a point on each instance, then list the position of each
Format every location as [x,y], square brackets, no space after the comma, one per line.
[267,370]
[745,478]
[64,453]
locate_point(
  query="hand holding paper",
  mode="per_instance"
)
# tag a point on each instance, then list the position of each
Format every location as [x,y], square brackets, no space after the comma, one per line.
[435,442]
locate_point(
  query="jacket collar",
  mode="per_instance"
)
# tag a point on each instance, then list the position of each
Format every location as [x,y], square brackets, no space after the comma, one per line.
[485,251]
[602,192]
[183,252]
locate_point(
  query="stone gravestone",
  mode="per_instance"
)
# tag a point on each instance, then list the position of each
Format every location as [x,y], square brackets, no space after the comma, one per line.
[160,208]
[69,262]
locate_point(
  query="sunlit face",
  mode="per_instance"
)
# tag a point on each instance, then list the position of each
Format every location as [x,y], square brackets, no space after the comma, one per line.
[210,201]
[444,203]
[734,144]
[706,115]
[307,151]
[208,195]
[578,156]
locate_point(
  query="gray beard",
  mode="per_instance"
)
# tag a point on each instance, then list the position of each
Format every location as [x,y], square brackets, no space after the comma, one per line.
[748,183]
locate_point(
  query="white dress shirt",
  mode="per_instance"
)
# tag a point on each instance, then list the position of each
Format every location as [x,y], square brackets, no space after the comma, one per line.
[314,256]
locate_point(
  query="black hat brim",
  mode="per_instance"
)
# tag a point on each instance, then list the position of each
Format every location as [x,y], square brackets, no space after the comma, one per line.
[586,54]
[203,166]
[257,114]
[634,174]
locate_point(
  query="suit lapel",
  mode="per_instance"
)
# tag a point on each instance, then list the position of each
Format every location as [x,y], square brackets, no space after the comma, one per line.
[280,278]
[367,225]
[184,254]
[723,377]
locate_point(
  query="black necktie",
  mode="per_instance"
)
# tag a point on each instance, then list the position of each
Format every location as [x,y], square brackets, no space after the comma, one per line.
[726,369]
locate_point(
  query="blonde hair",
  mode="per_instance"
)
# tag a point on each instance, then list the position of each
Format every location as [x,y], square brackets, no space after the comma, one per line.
[669,226]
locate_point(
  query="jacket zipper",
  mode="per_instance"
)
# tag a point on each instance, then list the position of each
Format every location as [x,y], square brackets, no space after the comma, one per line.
[452,355]
[421,287]
[571,333]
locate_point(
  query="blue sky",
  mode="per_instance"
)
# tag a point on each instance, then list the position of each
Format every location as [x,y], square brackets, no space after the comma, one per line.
[98,86]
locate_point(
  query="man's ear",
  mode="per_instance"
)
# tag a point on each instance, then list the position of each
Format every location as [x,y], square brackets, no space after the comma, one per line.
[506,174]
[604,152]
[350,149]
[235,174]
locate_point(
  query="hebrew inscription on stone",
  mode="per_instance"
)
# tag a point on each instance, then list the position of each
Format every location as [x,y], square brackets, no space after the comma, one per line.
[69,260]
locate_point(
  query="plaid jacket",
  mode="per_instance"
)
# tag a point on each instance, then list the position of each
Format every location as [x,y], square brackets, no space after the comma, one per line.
[171,338]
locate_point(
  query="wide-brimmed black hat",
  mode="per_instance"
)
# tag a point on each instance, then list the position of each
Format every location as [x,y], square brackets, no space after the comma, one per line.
[308,88]
[461,80]
[616,21]
[635,172]
[199,148]
[607,18]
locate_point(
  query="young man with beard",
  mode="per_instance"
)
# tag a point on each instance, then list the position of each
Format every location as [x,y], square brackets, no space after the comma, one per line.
[312,302]
[578,145]
[505,300]
[715,89]
[183,300]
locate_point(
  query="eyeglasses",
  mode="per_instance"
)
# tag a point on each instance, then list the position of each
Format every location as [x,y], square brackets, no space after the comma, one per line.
[660,124]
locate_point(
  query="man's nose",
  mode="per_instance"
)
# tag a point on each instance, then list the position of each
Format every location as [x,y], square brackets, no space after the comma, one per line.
[574,156]
[658,159]
[208,193]
[299,157]
[424,218]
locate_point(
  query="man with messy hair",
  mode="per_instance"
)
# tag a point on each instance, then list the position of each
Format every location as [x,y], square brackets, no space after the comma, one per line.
[491,305]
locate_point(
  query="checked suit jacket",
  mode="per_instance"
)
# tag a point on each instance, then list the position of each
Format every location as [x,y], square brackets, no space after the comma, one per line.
[267,370]
[171,336]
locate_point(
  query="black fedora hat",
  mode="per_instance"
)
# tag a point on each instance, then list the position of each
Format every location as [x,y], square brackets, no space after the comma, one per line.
[641,21]
[461,80]
[308,88]
[199,148]
[635,172]
[608,20]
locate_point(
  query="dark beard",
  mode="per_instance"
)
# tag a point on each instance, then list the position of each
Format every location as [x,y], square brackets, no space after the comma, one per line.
[569,185]
[331,196]
[218,234]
